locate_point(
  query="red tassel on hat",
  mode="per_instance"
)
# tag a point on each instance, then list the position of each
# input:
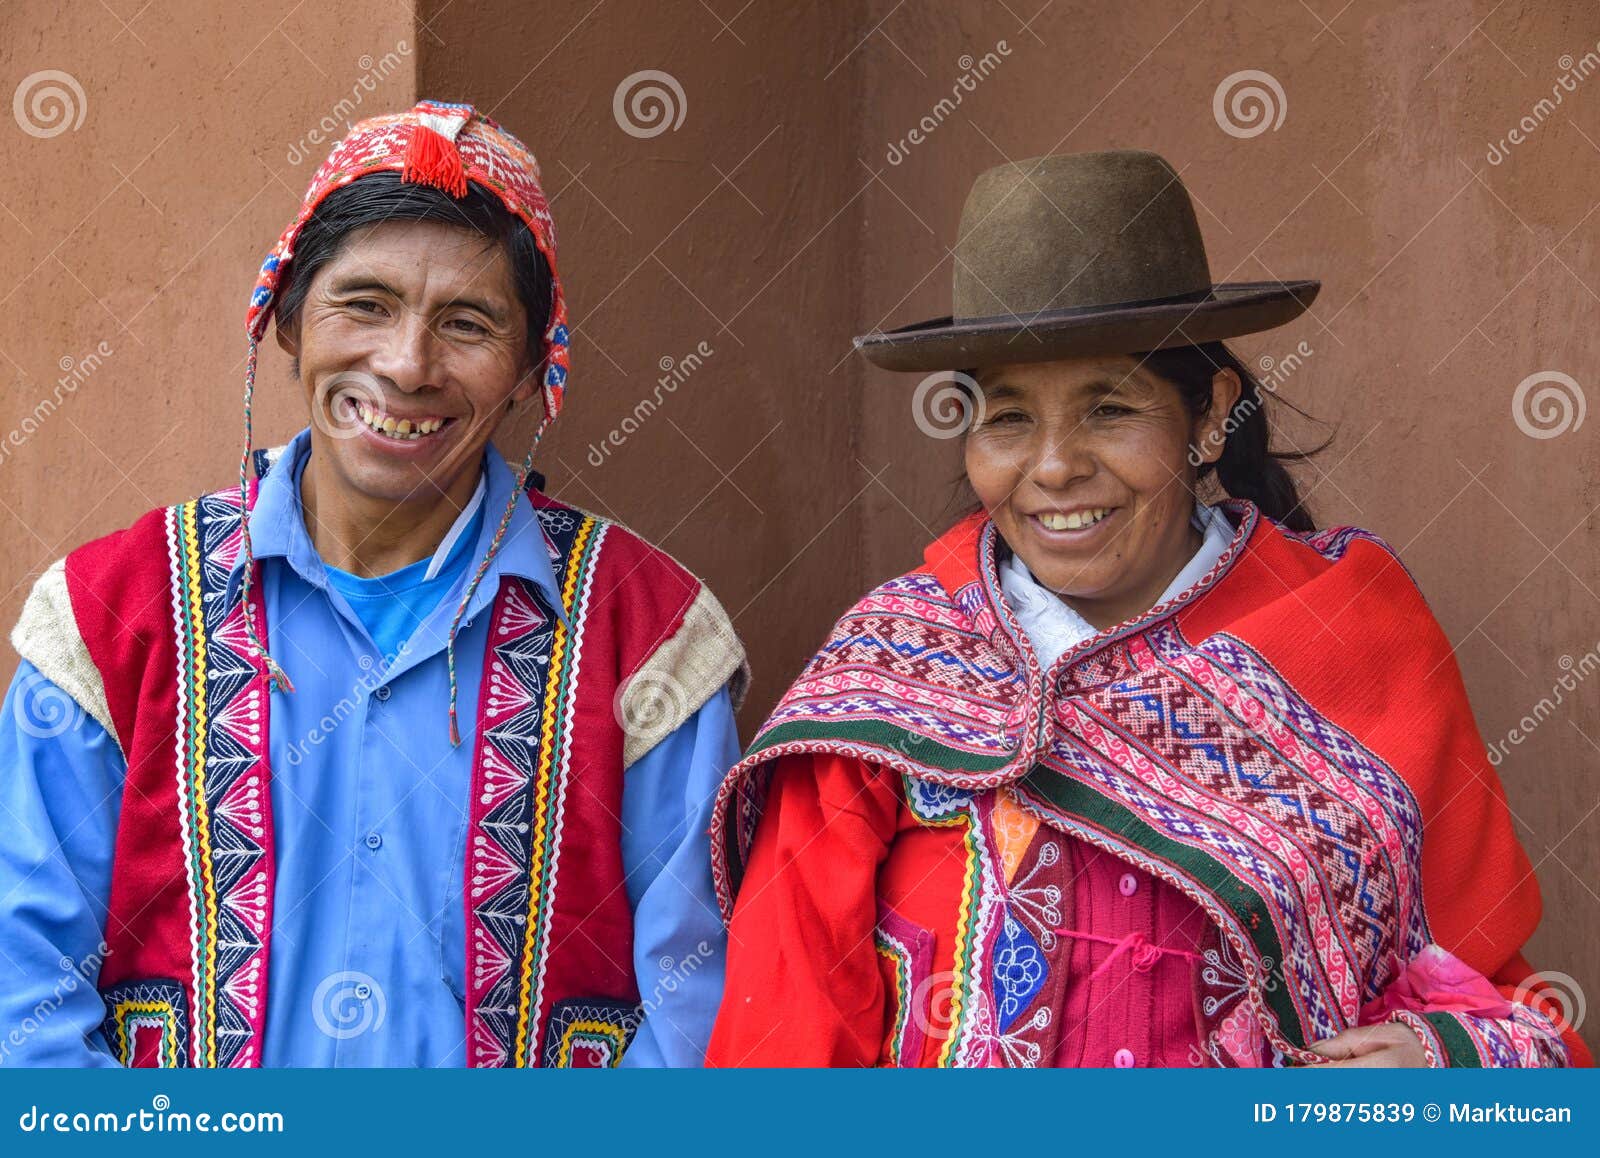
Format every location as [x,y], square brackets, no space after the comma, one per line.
[433,159]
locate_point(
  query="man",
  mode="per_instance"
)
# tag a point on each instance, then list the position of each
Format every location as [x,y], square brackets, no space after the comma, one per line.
[383,757]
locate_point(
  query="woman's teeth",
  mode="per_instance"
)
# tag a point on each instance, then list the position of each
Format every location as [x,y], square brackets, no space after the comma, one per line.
[402,430]
[1072,522]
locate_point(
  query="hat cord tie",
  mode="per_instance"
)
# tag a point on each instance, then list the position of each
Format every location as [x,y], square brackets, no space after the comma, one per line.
[483,566]
[276,676]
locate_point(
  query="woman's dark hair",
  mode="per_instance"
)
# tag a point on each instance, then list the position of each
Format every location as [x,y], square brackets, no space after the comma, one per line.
[1248,467]
[380,197]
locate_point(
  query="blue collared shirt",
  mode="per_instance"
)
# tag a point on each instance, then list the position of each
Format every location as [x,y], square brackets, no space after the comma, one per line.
[370,811]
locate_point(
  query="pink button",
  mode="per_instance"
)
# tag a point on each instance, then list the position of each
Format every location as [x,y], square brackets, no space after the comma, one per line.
[1128,885]
[1123,1059]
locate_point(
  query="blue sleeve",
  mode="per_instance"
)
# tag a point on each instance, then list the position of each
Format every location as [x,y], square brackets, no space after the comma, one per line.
[61,779]
[678,936]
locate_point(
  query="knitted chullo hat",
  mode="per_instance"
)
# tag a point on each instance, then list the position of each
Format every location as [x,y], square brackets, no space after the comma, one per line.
[446,146]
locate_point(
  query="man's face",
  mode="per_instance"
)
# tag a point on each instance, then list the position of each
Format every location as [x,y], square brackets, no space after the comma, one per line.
[412,343]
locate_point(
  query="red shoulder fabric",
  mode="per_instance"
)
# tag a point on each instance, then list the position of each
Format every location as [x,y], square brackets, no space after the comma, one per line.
[121,594]
[640,591]
[1479,892]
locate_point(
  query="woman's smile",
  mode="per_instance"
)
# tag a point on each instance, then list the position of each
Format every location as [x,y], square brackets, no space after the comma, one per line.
[1071,527]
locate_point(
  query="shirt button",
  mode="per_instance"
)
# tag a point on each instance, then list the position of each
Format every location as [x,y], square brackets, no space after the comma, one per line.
[374,841]
[382,691]
[363,991]
[1128,885]
[1122,1059]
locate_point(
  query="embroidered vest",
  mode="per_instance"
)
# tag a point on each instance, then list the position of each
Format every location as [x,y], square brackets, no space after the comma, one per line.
[189,929]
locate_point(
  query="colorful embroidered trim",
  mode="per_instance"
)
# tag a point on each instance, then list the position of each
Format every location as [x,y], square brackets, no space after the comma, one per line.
[220,749]
[590,1033]
[907,949]
[519,787]
[136,1008]
[970,1006]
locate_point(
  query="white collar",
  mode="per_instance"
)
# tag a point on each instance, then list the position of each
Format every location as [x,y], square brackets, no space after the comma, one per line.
[1054,628]
[457,529]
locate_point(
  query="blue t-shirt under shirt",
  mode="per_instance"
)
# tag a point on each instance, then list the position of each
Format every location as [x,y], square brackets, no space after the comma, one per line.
[393,606]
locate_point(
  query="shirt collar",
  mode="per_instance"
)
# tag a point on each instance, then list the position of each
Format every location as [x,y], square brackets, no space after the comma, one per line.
[278,527]
[1053,627]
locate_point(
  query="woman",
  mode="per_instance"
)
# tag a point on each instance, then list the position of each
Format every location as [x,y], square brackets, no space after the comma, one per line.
[1118,777]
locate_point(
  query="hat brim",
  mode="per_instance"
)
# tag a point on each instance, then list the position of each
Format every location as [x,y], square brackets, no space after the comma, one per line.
[1232,309]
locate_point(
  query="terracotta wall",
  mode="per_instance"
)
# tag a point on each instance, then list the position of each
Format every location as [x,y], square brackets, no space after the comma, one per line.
[1449,214]
[137,200]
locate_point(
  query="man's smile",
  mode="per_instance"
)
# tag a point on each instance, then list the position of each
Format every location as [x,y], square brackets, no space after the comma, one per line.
[410,428]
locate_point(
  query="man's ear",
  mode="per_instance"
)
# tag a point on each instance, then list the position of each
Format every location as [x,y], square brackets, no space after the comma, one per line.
[289,338]
[528,385]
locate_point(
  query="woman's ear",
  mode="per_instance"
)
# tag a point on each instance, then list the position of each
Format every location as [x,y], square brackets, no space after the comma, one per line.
[1226,389]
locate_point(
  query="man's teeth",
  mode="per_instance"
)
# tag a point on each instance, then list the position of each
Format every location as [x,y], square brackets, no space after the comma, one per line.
[1059,522]
[403,429]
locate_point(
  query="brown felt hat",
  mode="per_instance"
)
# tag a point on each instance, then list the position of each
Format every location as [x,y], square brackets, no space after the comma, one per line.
[1082,253]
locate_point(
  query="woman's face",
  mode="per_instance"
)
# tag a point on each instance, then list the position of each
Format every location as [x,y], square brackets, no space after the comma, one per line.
[1084,465]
